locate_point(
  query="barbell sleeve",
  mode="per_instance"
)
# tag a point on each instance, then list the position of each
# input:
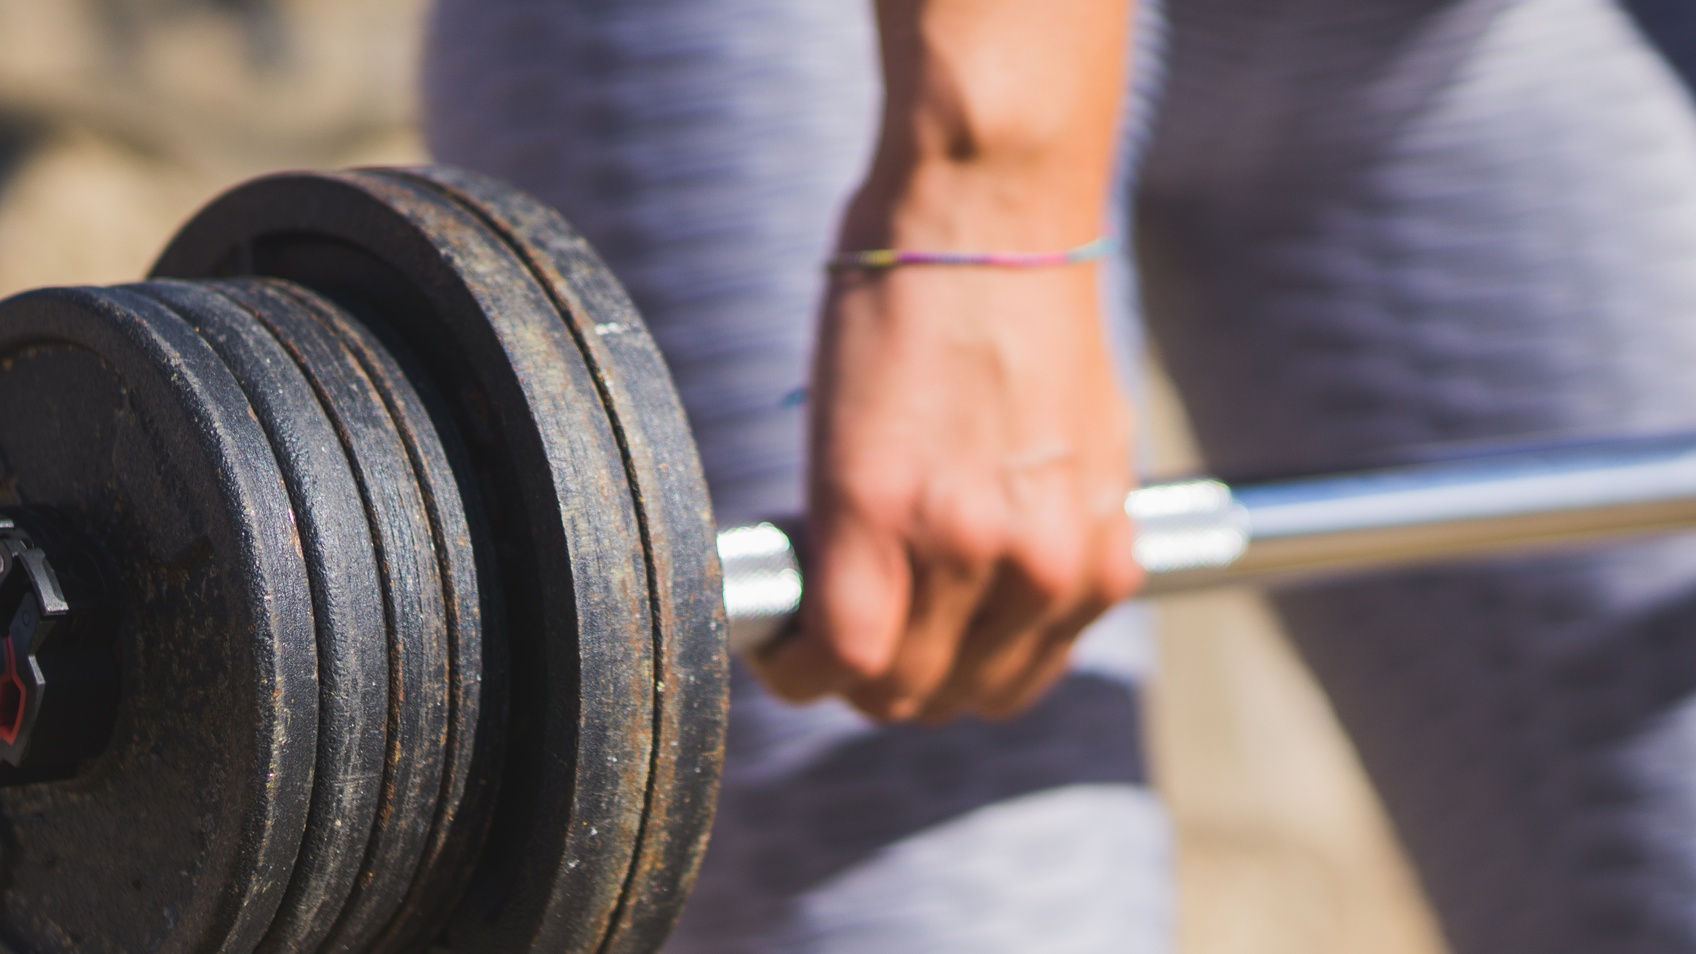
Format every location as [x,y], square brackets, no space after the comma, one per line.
[1193,534]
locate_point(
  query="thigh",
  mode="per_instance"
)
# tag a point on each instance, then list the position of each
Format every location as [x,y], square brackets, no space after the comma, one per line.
[1370,228]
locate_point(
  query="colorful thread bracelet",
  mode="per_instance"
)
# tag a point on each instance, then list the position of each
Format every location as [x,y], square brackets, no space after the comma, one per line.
[891,258]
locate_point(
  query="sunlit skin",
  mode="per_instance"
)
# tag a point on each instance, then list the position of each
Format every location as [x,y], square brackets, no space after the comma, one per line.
[970,444]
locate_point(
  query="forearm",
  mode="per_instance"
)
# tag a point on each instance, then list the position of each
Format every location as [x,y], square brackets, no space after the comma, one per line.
[998,126]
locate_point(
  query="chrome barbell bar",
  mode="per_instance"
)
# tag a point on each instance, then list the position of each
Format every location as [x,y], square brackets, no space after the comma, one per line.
[1193,534]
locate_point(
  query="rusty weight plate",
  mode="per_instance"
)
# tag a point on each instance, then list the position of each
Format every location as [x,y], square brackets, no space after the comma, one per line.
[331,341]
[414,610]
[675,515]
[552,512]
[122,422]
[347,599]
[461,809]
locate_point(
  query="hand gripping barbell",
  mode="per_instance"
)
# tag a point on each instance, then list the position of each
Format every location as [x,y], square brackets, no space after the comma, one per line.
[1195,534]
[362,593]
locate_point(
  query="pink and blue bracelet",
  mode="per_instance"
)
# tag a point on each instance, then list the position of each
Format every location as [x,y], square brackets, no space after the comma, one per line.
[882,258]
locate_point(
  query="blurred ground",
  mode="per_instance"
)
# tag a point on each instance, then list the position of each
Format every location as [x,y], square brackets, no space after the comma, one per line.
[1282,845]
[119,117]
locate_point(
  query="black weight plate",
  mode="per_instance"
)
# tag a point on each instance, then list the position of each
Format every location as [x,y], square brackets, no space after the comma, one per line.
[353,663]
[677,525]
[546,471]
[418,699]
[446,862]
[181,836]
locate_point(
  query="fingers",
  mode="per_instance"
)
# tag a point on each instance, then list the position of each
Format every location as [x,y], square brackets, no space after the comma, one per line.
[853,615]
[1019,643]
[1018,684]
[946,592]
[1004,636]
[895,589]
[952,615]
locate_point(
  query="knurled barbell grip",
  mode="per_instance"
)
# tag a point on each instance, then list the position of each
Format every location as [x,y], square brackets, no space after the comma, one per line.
[1198,533]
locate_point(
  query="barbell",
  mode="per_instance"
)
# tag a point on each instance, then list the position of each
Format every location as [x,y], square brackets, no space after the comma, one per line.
[1194,534]
[363,592]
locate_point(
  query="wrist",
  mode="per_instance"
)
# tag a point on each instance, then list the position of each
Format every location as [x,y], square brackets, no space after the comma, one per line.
[998,125]
[946,205]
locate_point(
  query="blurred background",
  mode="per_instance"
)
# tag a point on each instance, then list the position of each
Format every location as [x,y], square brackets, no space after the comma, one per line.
[119,117]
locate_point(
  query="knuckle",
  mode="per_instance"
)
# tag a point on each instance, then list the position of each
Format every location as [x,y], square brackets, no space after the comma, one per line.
[854,613]
[978,543]
[853,641]
[859,662]
[883,709]
[1121,579]
[1004,703]
[1120,576]
[884,700]
[971,538]
[877,494]
[856,655]
[1055,564]
[1062,635]
[1018,699]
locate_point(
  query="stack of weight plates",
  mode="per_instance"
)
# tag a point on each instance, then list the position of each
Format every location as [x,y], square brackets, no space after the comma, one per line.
[421,644]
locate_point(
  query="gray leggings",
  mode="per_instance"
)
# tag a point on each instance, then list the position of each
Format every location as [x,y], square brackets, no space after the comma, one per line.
[1365,228]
